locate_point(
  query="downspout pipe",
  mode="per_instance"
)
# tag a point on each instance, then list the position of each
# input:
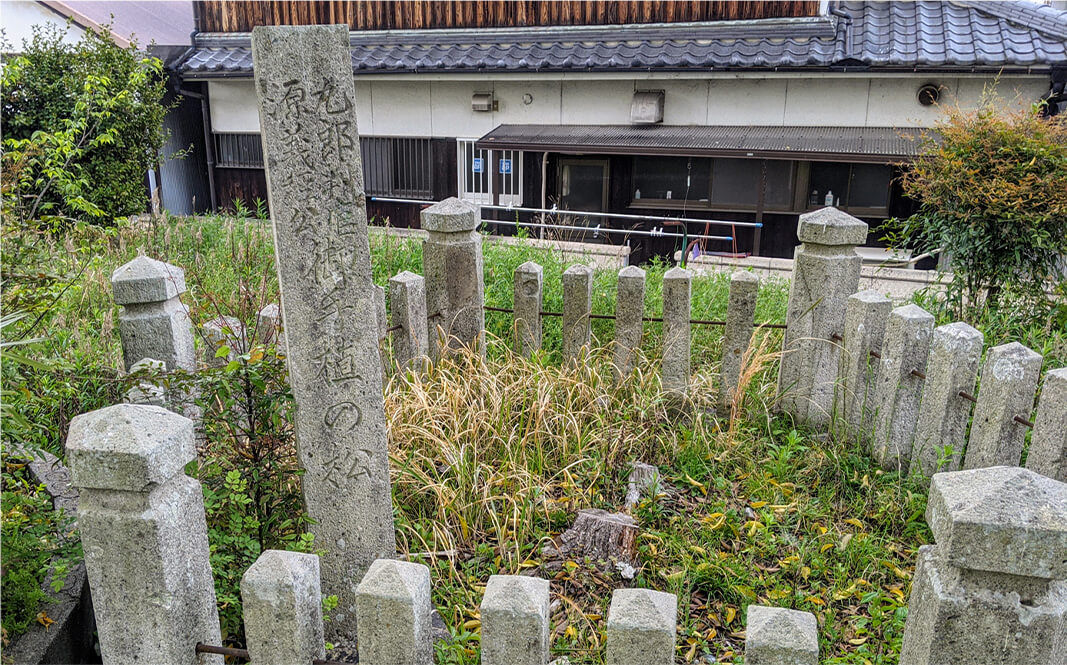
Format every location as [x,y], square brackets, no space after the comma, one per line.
[209,144]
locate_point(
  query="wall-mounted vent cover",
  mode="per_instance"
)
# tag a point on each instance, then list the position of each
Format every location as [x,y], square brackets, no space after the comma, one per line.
[483,102]
[647,107]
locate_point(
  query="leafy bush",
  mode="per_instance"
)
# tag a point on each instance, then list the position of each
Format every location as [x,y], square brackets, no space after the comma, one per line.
[82,124]
[993,193]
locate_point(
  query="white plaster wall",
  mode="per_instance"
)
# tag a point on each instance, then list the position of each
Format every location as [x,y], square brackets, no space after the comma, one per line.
[17,18]
[441,107]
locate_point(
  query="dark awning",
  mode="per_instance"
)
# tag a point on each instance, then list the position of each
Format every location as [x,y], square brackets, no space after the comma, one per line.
[855,144]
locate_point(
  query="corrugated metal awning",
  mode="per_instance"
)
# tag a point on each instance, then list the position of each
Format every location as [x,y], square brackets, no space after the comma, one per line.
[856,144]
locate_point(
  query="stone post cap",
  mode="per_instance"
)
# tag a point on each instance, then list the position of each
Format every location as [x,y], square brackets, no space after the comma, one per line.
[631,272]
[869,296]
[531,267]
[1008,358]
[784,631]
[276,569]
[579,269]
[516,594]
[643,609]
[744,276]
[451,216]
[912,314]
[958,332]
[677,273]
[1001,519]
[146,280]
[406,277]
[148,364]
[128,447]
[830,226]
[396,580]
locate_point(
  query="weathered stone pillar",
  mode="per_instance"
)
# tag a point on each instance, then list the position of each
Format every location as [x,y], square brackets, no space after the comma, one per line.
[411,346]
[866,314]
[144,534]
[629,318]
[1048,443]
[282,605]
[740,317]
[992,589]
[314,177]
[529,283]
[146,392]
[641,627]
[515,621]
[452,264]
[777,636]
[269,327]
[1009,381]
[223,331]
[943,415]
[677,294]
[153,322]
[394,614]
[577,306]
[826,271]
[898,389]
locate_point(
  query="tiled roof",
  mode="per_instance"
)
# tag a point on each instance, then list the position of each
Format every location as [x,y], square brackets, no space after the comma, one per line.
[925,34]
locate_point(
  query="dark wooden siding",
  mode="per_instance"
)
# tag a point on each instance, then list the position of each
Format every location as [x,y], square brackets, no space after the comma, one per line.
[243,15]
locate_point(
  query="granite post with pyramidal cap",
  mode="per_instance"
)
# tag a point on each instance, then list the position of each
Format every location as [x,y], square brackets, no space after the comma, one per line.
[223,331]
[865,318]
[395,614]
[452,265]
[515,613]
[777,636]
[577,306]
[411,346]
[992,589]
[641,627]
[269,326]
[303,77]
[898,389]
[941,426]
[529,283]
[740,317]
[677,294]
[1048,442]
[153,322]
[1007,387]
[144,533]
[629,318]
[281,604]
[826,271]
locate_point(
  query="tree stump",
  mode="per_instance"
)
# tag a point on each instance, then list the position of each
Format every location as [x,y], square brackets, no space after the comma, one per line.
[601,535]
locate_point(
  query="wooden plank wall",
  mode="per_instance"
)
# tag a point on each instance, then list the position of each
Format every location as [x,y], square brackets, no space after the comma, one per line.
[243,15]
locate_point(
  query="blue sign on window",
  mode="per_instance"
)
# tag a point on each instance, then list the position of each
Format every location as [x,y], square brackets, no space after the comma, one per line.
[505,166]
[478,165]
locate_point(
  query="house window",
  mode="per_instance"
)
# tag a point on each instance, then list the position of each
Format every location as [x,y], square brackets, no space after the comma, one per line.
[583,184]
[399,167]
[485,174]
[735,183]
[857,187]
[238,151]
[671,178]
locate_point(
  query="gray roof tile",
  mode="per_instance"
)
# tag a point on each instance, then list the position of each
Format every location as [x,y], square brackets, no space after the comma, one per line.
[927,33]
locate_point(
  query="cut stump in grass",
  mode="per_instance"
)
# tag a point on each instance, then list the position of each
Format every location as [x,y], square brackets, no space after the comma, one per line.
[600,535]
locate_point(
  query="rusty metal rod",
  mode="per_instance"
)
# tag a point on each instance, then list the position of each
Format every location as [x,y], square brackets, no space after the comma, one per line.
[875,354]
[651,319]
[1023,421]
[917,373]
[969,397]
[243,653]
[836,337]
[393,328]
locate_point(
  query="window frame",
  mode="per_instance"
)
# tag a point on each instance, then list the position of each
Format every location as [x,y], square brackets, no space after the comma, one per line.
[492,157]
[585,161]
[709,205]
[418,151]
[858,211]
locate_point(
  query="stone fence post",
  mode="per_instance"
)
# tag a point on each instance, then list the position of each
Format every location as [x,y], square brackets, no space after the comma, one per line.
[282,605]
[153,322]
[144,534]
[898,388]
[641,627]
[577,306]
[677,338]
[515,621]
[452,264]
[736,336]
[411,345]
[1048,443]
[1009,381]
[529,285]
[992,589]
[777,636]
[222,331]
[826,271]
[629,318]
[269,327]
[394,614]
[866,315]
